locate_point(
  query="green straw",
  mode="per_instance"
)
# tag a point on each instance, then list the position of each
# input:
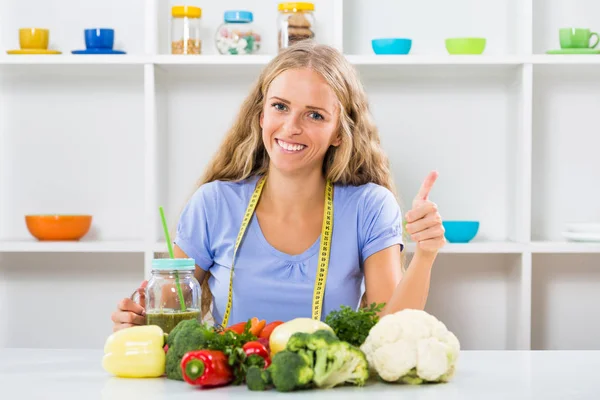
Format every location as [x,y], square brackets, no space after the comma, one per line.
[170,245]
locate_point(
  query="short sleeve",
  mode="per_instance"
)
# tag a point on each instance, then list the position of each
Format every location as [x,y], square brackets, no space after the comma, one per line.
[194,227]
[380,221]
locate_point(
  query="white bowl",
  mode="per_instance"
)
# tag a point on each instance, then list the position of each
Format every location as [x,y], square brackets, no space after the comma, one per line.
[584,227]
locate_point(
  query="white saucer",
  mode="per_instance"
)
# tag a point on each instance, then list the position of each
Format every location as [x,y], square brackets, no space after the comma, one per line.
[582,236]
[583,227]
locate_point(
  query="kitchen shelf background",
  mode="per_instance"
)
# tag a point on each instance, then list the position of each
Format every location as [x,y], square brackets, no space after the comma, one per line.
[119,136]
[428,24]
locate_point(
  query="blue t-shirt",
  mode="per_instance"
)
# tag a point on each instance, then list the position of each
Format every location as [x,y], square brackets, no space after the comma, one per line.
[268,283]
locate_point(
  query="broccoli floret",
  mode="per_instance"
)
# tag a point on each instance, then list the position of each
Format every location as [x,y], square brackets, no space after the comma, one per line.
[290,371]
[308,355]
[338,364]
[257,379]
[297,341]
[322,338]
[186,336]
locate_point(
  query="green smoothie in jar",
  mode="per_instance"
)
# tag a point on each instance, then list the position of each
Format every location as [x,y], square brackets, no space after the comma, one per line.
[168,319]
[173,293]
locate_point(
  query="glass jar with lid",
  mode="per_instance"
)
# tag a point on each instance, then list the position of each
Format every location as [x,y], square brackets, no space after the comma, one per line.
[173,293]
[237,34]
[185,30]
[295,22]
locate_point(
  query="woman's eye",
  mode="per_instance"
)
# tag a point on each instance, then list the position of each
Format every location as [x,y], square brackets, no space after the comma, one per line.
[279,106]
[316,115]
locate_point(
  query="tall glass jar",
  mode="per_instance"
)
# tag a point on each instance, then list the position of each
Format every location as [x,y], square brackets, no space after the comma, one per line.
[295,22]
[173,293]
[237,34]
[185,30]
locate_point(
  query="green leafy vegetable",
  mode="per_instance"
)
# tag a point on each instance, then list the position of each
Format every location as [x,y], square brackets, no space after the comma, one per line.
[354,326]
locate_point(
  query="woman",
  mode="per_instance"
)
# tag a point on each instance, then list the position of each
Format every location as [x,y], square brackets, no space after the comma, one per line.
[304,129]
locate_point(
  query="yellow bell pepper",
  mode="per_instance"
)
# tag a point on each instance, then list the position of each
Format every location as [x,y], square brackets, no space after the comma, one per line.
[135,352]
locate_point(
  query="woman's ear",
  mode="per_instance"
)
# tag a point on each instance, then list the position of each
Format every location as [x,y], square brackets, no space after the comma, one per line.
[260,119]
[337,140]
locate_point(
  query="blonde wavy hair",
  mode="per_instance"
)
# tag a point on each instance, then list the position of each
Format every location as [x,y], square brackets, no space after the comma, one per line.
[359,159]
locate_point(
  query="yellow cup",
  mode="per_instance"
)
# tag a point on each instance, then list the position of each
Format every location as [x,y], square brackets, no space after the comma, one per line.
[34,38]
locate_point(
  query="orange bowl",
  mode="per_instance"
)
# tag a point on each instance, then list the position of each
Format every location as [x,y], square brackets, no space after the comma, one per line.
[58,227]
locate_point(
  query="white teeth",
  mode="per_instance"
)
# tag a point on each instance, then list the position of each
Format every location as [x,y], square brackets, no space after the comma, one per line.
[290,147]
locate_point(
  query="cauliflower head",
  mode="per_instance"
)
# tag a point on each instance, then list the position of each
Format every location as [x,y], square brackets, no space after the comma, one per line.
[411,346]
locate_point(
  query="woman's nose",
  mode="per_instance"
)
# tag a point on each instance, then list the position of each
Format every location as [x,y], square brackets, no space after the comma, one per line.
[293,125]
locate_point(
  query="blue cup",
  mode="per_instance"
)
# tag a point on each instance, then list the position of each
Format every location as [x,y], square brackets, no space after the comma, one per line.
[391,45]
[99,38]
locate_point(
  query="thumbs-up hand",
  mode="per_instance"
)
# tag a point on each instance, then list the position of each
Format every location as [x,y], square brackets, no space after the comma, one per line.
[423,222]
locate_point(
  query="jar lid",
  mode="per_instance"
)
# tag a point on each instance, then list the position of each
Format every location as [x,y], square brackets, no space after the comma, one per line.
[296,7]
[186,11]
[173,264]
[238,16]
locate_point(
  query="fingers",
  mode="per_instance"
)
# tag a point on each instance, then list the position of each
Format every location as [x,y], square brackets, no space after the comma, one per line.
[129,305]
[428,221]
[426,186]
[435,232]
[121,326]
[420,211]
[142,292]
[128,317]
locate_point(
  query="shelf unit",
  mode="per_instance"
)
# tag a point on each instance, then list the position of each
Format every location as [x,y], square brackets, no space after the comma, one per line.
[117,136]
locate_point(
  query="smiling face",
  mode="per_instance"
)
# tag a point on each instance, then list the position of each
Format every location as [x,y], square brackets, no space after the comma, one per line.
[299,121]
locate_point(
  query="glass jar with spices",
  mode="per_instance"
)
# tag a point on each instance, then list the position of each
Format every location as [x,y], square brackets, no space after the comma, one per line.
[185,30]
[295,23]
[237,34]
[173,293]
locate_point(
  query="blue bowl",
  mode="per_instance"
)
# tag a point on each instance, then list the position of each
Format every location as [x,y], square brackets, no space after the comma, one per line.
[391,45]
[460,231]
[99,38]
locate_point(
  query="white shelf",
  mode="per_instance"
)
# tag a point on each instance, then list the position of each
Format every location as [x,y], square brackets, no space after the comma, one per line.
[31,246]
[263,59]
[565,247]
[434,60]
[217,60]
[477,248]
[66,59]
[561,59]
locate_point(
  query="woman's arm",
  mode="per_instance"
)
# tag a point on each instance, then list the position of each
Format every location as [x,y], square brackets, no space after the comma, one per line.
[385,283]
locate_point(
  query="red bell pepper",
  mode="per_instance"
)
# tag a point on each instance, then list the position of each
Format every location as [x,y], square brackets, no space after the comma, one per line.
[268,329]
[258,349]
[237,328]
[206,368]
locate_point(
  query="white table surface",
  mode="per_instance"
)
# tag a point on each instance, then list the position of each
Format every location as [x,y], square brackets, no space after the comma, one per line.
[77,374]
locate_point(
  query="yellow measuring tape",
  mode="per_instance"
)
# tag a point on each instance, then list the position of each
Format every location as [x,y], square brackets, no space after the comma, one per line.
[321,279]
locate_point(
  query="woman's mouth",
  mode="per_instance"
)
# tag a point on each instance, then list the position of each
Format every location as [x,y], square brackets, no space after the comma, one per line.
[290,147]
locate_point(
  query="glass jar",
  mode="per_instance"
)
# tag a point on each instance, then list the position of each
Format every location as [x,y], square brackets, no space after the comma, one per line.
[237,34]
[295,22]
[185,30]
[163,297]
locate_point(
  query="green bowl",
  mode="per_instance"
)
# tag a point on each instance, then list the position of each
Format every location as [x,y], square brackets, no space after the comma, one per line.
[465,45]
